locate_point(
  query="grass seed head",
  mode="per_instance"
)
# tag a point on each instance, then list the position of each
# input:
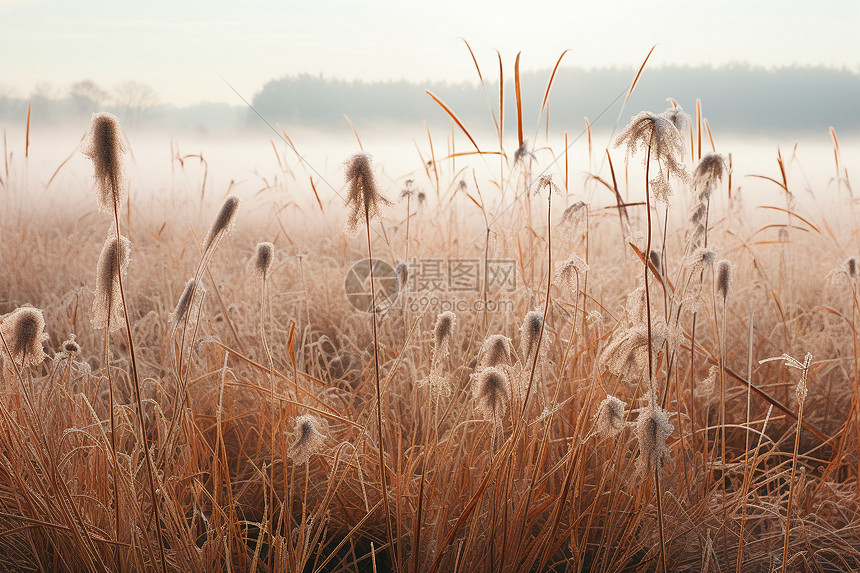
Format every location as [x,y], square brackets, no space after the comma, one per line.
[851,267]
[529,333]
[71,347]
[496,351]
[710,170]
[652,430]
[659,134]
[105,145]
[678,117]
[443,329]
[107,302]
[571,272]
[492,392]
[24,332]
[724,278]
[609,419]
[184,303]
[263,259]
[308,439]
[225,217]
[363,197]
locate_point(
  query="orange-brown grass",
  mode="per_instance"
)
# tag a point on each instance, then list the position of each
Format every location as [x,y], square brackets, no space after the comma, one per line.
[537,487]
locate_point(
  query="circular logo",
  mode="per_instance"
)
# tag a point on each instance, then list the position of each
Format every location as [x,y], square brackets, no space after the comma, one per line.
[356,285]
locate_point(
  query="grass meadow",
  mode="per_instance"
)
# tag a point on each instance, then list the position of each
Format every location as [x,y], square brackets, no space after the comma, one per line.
[639,371]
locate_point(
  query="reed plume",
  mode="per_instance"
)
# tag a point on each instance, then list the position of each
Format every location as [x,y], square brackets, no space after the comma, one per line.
[221,224]
[652,431]
[184,303]
[609,418]
[439,384]
[24,332]
[263,259]
[529,334]
[496,351]
[363,198]
[71,346]
[569,272]
[105,144]
[492,391]
[656,133]
[724,278]
[308,439]
[107,302]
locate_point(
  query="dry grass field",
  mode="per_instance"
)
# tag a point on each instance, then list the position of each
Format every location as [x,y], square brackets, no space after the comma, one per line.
[526,395]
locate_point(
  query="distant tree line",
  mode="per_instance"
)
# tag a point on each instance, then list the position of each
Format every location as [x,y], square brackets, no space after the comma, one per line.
[736,99]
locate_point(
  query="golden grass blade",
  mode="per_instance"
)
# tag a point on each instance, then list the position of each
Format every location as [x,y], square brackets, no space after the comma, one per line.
[710,135]
[27,144]
[549,87]
[501,102]
[639,73]
[455,118]
[519,100]
[699,128]
[792,213]
[354,131]
[316,194]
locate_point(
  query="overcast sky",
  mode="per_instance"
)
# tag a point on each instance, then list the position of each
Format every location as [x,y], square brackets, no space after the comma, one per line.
[183,48]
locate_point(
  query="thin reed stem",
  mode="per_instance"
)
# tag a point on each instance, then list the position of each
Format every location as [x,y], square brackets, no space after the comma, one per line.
[383,478]
[150,470]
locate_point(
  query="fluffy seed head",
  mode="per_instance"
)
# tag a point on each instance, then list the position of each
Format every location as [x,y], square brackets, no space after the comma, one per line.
[184,303]
[263,259]
[105,145]
[408,189]
[24,332]
[492,392]
[439,383]
[575,215]
[609,419]
[659,134]
[443,329]
[652,430]
[529,333]
[679,118]
[496,351]
[363,198]
[571,272]
[225,217]
[107,302]
[710,170]
[851,267]
[724,278]
[308,439]
[546,182]
[71,347]
[522,152]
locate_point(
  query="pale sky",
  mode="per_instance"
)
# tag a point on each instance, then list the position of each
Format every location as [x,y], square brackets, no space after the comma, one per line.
[183,48]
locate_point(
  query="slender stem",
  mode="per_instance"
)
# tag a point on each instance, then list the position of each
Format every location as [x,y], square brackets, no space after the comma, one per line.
[383,478]
[115,463]
[272,406]
[546,306]
[138,401]
[651,373]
